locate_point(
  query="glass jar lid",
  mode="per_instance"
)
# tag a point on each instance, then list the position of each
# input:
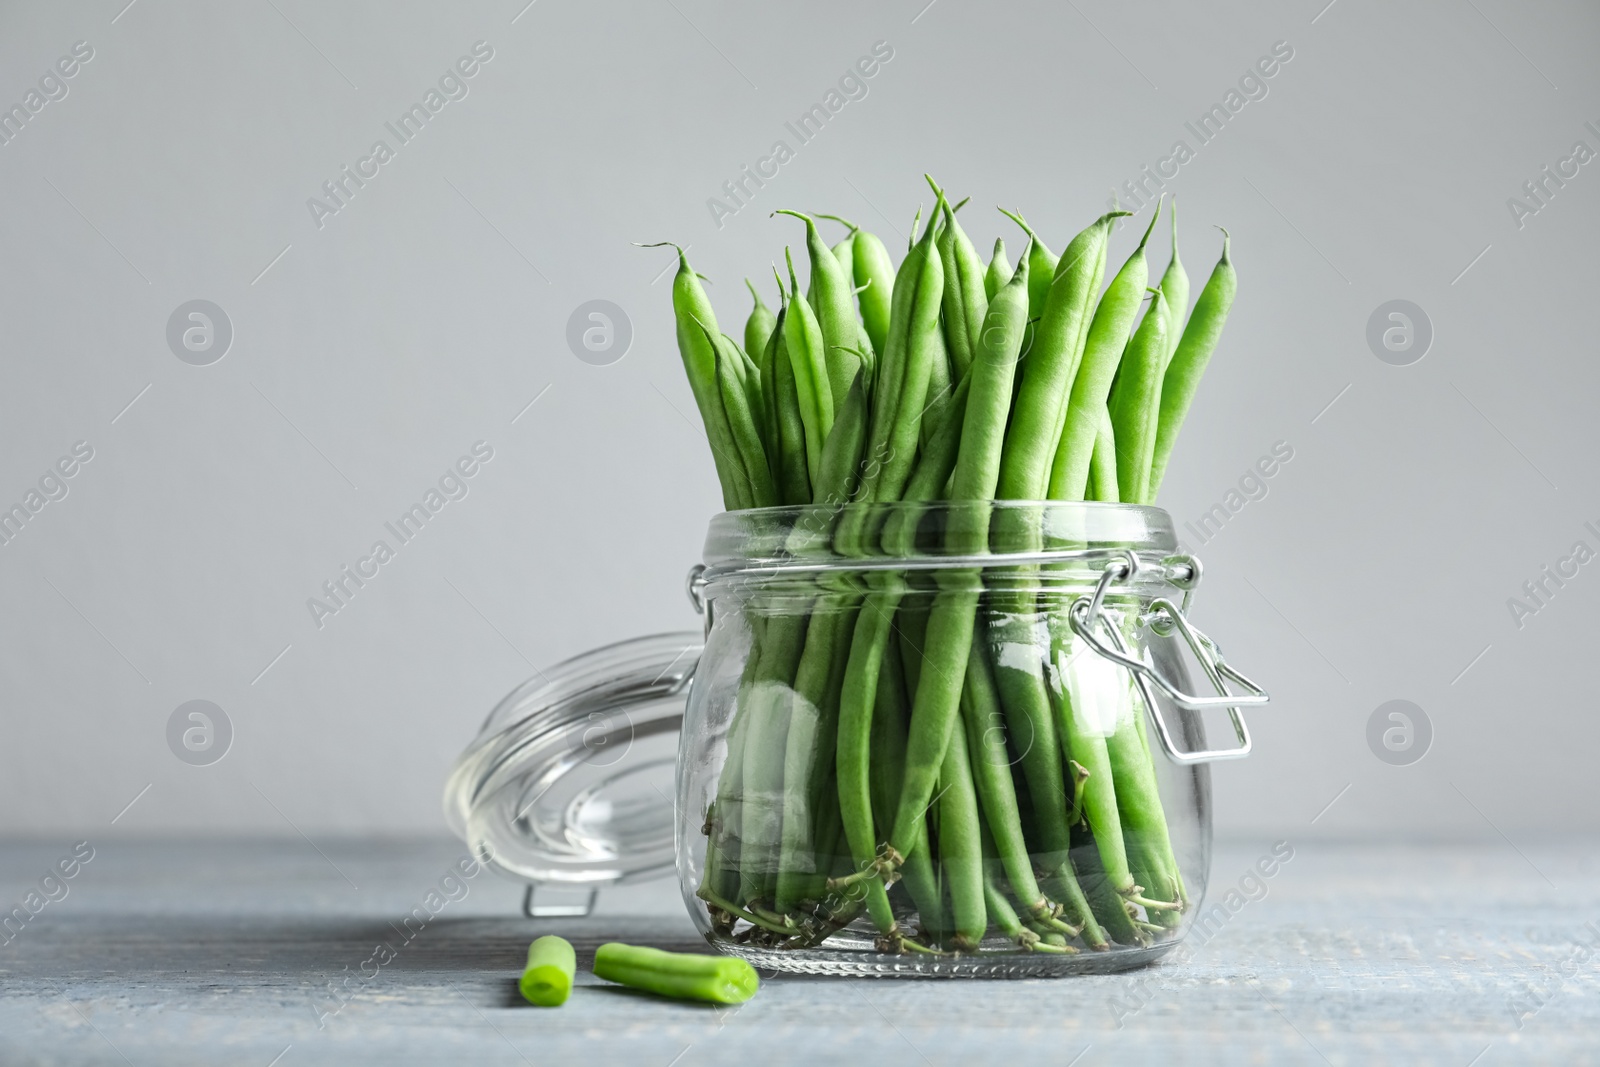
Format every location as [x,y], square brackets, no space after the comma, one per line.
[570,779]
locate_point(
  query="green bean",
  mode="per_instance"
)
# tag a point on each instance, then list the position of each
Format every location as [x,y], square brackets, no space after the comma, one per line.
[977,471]
[843,251]
[696,325]
[999,270]
[789,432]
[950,623]
[1103,467]
[939,385]
[1035,421]
[804,339]
[991,771]
[903,375]
[1157,865]
[964,301]
[906,368]
[1052,363]
[1144,824]
[960,848]
[810,745]
[1075,905]
[1019,678]
[912,629]
[1083,680]
[1102,898]
[1042,268]
[1043,938]
[899,395]
[839,472]
[919,878]
[761,815]
[720,879]
[1189,361]
[871,752]
[833,300]
[869,366]
[767,371]
[1136,405]
[746,436]
[1102,351]
[547,979]
[888,737]
[684,975]
[758,327]
[876,273]
[856,768]
[827,853]
[1175,287]
[935,464]
[1061,882]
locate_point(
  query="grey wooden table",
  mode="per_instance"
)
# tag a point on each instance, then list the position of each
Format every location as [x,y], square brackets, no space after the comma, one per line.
[222,952]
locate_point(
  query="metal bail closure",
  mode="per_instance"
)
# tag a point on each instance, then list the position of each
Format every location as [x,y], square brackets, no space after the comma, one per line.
[569,784]
[1166,616]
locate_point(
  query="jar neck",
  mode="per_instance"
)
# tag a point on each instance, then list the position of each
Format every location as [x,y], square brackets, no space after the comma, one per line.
[1055,541]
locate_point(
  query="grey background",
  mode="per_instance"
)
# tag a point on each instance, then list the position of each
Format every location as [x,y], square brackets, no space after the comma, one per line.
[427,314]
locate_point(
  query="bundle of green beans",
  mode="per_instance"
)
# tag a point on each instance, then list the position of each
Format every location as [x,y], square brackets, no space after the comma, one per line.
[886,765]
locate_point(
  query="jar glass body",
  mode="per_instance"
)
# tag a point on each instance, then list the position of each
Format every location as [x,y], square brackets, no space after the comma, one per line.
[899,758]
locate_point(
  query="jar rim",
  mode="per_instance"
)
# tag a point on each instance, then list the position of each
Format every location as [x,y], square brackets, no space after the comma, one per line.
[931,534]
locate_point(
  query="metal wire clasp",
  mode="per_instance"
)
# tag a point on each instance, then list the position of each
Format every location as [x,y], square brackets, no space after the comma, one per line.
[695,586]
[1165,616]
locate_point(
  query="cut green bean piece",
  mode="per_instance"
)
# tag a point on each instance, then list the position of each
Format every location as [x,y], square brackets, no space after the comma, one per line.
[683,975]
[547,979]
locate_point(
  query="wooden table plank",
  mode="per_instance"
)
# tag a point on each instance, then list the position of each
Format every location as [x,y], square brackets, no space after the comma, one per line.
[217,952]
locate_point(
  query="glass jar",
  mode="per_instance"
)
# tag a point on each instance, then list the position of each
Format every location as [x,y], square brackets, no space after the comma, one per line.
[919,739]
[933,757]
